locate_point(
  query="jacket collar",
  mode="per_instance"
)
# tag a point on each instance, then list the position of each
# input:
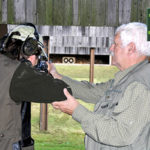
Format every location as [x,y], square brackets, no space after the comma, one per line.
[121,74]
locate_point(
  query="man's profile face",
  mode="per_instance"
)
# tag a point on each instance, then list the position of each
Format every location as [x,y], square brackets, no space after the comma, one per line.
[119,53]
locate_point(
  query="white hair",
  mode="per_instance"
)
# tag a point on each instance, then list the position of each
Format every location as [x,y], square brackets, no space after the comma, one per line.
[137,33]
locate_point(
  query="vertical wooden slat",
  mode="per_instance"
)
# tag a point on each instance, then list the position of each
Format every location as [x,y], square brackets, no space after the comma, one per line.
[98,12]
[68,12]
[141,10]
[75,12]
[94,12]
[10,12]
[58,12]
[79,12]
[0,11]
[44,30]
[124,11]
[41,13]
[19,11]
[85,12]
[31,9]
[81,7]
[134,10]
[49,11]
[147,5]
[4,11]
[144,4]
[144,7]
[112,13]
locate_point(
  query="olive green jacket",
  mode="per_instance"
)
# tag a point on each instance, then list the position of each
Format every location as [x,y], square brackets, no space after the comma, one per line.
[10,118]
[120,120]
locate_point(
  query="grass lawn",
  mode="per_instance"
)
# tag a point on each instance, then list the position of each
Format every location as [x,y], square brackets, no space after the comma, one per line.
[63,132]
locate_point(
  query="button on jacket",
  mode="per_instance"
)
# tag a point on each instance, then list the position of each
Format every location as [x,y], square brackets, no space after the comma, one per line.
[121,117]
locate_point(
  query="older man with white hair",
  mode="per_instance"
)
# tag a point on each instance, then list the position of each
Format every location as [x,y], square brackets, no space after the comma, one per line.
[121,117]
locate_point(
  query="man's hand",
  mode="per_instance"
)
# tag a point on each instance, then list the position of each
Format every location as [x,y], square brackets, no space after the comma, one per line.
[53,71]
[68,106]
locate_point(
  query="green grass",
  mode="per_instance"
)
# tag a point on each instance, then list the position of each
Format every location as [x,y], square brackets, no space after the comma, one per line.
[63,132]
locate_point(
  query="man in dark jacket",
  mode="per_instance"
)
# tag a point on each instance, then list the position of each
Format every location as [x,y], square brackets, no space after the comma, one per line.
[22,83]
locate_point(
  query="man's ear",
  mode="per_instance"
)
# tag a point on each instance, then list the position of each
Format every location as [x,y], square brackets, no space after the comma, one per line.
[131,48]
[31,58]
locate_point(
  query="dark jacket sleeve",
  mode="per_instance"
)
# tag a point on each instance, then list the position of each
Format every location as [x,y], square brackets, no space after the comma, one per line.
[29,84]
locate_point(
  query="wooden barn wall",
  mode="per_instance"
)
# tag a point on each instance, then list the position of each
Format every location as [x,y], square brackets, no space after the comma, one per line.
[73,12]
[76,40]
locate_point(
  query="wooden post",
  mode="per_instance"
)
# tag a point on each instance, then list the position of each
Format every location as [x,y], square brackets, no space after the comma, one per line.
[92,60]
[43,116]
[46,44]
[44,106]
[3,30]
[110,60]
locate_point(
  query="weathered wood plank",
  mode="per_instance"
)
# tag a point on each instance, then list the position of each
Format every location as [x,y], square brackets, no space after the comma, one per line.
[68,43]
[141,7]
[98,16]
[31,14]
[141,10]
[44,30]
[58,30]
[58,12]
[49,11]
[85,12]
[41,13]
[19,11]
[124,11]
[144,4]
[68,12]
[0,11]
[147,5]
[75,12]
[4,11]
[10,12]
[112,13]
[134,10]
